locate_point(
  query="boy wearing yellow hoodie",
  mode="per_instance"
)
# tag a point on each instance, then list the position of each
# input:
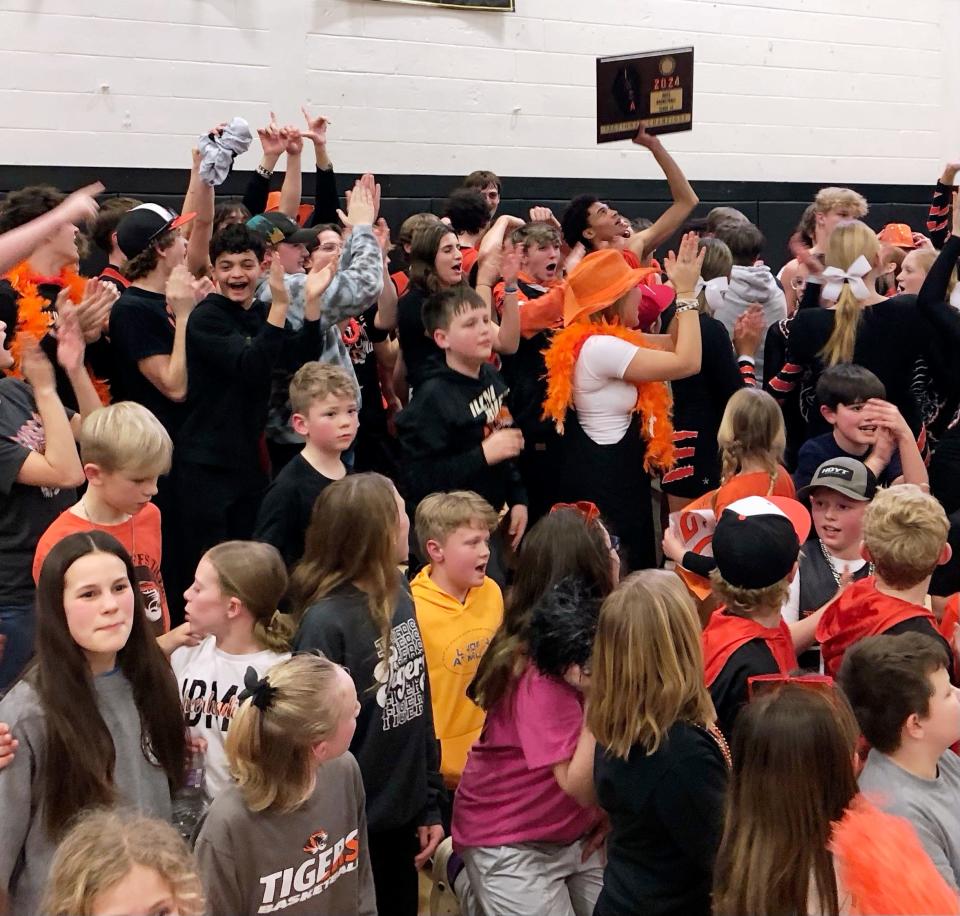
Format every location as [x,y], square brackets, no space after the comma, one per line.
[458,610]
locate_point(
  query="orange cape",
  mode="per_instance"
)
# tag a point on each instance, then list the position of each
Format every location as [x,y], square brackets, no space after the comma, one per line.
[654,402]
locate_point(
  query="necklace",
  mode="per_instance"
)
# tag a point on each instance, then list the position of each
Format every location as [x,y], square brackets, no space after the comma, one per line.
[833,569]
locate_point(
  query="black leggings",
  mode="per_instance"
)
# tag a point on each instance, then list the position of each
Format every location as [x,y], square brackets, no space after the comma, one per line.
[395,877]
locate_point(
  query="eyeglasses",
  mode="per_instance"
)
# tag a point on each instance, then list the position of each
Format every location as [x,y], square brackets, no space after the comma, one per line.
[769,683]
[588,510]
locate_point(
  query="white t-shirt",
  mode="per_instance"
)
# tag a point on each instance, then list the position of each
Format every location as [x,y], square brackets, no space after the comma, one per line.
[604,402]
[210,682]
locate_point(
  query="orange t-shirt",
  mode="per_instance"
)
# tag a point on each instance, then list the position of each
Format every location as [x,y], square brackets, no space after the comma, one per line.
[140,536]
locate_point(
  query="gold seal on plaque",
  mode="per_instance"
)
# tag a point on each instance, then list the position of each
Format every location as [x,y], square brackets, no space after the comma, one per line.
[667,66]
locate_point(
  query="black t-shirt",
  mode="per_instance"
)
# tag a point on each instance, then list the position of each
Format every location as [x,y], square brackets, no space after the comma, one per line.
[364,360]
[287,505]
[730,688]
[666,819]
[25,511]
[418,350]
[141,327]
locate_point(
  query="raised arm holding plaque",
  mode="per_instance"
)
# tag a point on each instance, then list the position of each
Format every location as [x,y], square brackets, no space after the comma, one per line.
[654,88]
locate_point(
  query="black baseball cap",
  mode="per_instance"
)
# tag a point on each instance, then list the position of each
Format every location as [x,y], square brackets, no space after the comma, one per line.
[757,540]
[143,225]
[848,476]
[278,227]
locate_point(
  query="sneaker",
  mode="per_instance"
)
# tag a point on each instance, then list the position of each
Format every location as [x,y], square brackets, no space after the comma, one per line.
[443,900]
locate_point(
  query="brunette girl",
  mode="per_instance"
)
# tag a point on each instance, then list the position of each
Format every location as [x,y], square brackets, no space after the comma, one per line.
[436,263]
[261,847]
[354,606]
[232,607]
[798,838]
[123,863]
[97,715]
[528,843]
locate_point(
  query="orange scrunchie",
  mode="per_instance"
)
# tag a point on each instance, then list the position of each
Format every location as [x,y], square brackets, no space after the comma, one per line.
[654,402]
[36,316]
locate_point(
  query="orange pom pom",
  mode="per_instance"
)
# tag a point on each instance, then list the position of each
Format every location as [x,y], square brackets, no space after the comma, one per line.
[882,865]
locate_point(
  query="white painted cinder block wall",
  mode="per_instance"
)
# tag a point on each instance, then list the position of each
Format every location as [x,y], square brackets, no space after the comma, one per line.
[791,90]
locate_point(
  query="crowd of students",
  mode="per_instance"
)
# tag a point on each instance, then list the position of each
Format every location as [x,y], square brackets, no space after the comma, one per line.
[582,578]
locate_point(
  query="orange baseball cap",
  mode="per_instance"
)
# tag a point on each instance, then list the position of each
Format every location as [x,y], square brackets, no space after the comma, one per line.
[303,211]
[899,235]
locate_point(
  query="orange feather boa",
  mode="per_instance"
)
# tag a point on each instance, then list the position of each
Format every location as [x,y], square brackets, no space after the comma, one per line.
[654,402]
[36,316]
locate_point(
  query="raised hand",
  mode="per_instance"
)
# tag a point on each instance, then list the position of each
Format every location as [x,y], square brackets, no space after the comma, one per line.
[81,205]
[317,283]
[382,231]
[647,141]
[316,128]
[36,368]
[294,140]
[363,203]
[94,309]
[748,330]
[510,261]
[683,268]
[182,290]
[70,343]
[278,288]
[544,215]
[270,138]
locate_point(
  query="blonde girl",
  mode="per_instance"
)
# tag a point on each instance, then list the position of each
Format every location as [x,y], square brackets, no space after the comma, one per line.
[291,833]
[232,608]
[857,325]
[659,769]
[112,862]
[352,604]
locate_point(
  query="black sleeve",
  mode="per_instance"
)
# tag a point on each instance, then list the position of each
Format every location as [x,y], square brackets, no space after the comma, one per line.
[325,198]
[719,367]
[940,216]
[318,630]
[277,520]
[435,787]
[258,190]
[730,689]
[934,288]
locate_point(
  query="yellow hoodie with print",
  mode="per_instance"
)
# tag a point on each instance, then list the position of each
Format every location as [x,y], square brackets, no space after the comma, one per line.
[455,636]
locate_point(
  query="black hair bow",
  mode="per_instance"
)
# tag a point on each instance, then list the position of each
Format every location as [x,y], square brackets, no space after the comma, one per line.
[258,690]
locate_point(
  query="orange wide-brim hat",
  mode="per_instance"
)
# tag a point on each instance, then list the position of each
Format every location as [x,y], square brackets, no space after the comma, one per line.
[897,234]
[596,283]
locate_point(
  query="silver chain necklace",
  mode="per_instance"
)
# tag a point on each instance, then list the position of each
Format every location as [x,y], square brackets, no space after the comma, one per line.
[833,569]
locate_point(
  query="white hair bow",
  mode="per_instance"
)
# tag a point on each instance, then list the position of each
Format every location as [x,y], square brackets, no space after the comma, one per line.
[833,279]
[714,290]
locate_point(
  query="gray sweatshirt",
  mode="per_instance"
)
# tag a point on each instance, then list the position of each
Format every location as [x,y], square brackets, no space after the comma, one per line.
[314,860]
[354,288]
[931,805]
[749,285]
[26,849]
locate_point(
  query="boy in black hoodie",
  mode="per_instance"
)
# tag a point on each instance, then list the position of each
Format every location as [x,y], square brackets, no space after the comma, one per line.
[457,432]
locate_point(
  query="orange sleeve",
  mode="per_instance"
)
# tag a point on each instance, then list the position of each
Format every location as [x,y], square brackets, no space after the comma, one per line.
[544,312]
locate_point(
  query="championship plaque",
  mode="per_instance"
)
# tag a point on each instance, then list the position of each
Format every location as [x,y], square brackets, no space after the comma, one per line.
[654,88]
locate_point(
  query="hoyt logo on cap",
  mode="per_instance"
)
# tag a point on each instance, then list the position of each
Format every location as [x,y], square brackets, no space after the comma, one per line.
[835,470]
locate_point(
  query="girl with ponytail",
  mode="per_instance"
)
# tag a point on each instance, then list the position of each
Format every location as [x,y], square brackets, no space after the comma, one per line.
[232,608]
[858,325]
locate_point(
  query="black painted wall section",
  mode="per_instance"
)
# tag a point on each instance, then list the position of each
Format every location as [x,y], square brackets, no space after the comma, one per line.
[775,207]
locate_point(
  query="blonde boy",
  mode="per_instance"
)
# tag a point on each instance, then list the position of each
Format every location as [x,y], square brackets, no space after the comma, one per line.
[905,538]
[459,608]
[124,449]
[325,403]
